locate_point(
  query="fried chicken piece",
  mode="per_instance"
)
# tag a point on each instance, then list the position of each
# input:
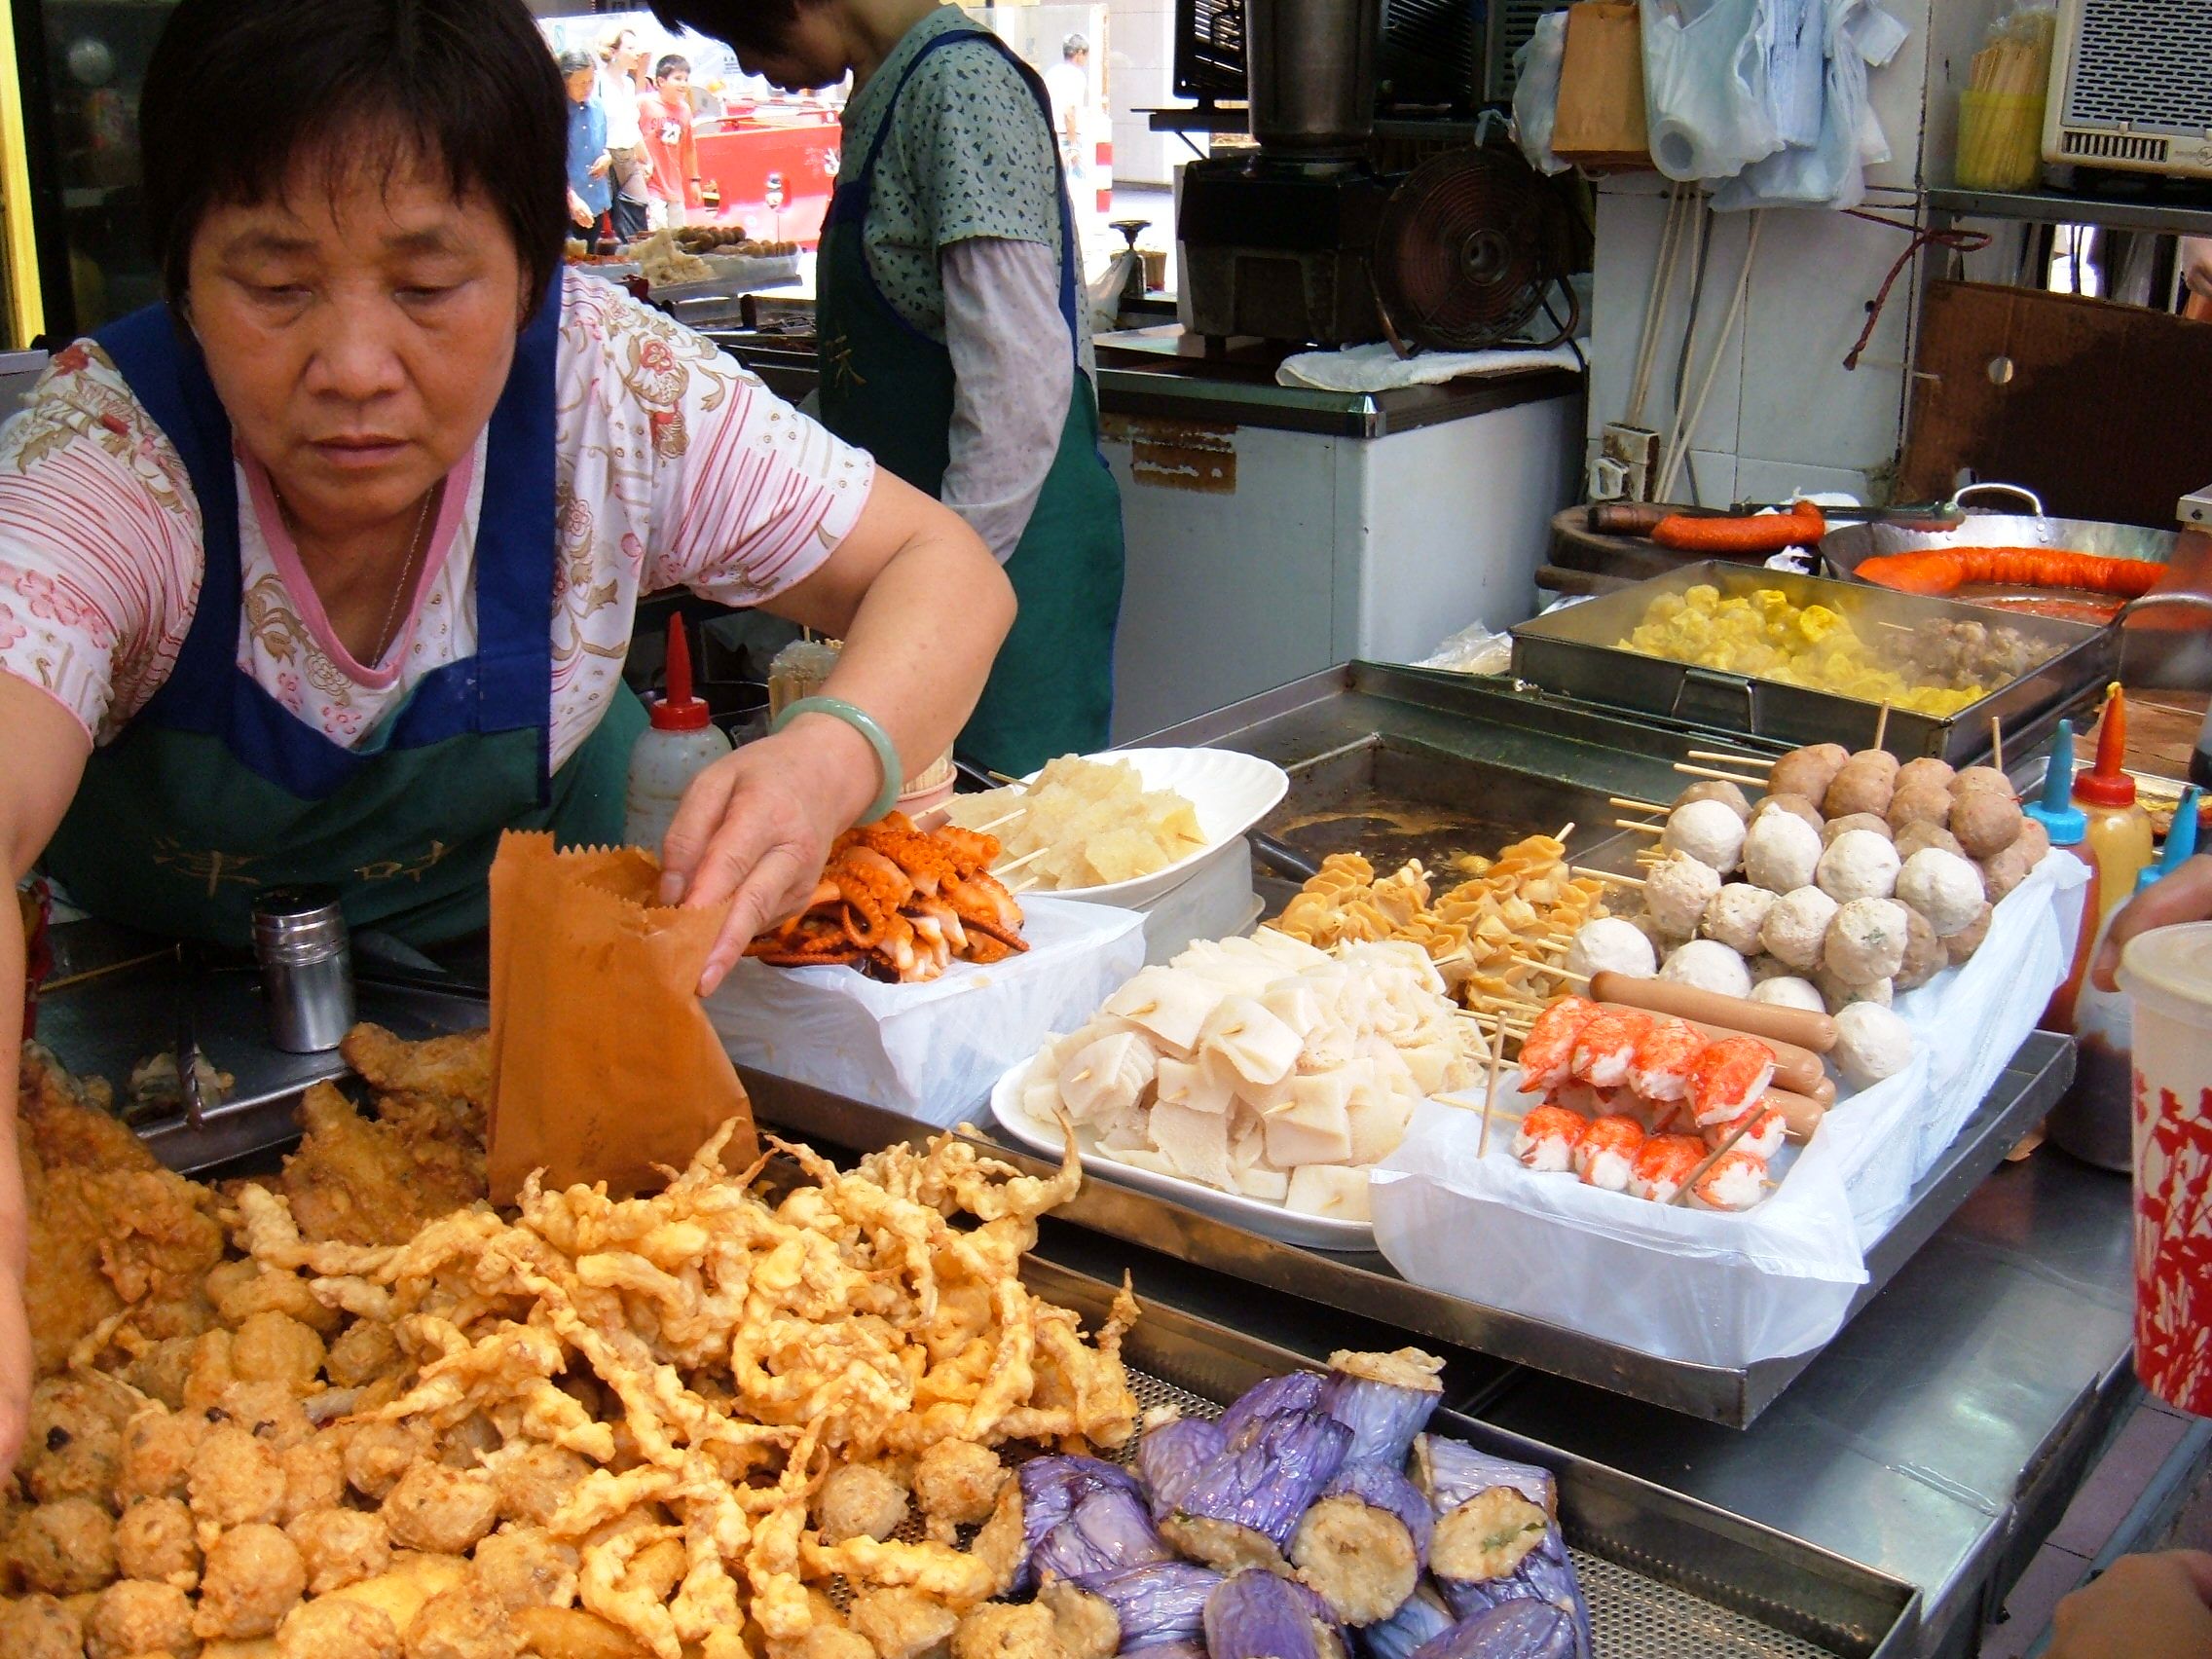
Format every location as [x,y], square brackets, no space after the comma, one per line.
[958,1481]
[337,1629]
[236,1479]
[135,1617]
[73,1440]
[996,1631]
[462,1624]
[378,1452]
[339,1547]
[858,1500]
[527,1566]
[159,1371]
[110,1229]
[440,1511]
[64,1548]
[455,1069]
[254,1576]
[38,1626]
[903,1623]
[357,1180]
[157,1541]
[535,1480]
[364,1350]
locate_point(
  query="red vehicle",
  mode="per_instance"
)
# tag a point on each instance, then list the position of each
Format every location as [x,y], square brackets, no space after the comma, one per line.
[772,167]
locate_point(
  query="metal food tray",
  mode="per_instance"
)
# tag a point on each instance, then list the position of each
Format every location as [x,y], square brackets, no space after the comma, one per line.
[1577,652]
[1664,1574]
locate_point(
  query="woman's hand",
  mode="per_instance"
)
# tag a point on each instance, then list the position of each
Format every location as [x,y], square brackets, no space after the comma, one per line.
[599,168]
[579,213]
[755,830]
[2145,1606]
[2186,895]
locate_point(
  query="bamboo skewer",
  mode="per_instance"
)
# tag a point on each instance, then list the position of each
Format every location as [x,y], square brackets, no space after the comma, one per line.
[104,970]
[1690,1181]
[1565,831]
[1000,822]
[1882,724]
[1627,805]
[1002,778]
[1640,825]
[1605,875]
[1022,863]
[1722,757]
[1490,1085]
[1690,771]
[1997,741]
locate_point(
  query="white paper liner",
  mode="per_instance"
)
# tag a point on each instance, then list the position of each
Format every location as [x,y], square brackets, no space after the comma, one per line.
[930,1051]
[1728,1290]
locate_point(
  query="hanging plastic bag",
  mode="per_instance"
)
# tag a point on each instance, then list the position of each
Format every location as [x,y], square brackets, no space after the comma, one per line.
[1535,94]
[1705,87]
[1830,171]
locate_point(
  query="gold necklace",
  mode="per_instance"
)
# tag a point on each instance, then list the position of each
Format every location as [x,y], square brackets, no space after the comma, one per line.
[406,579]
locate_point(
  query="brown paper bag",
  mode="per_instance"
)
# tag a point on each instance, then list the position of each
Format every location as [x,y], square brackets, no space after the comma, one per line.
[1601,123]
[602,1062]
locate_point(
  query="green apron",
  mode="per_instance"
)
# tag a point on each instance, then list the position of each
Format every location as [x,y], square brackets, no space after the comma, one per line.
[888,386]
[216,791]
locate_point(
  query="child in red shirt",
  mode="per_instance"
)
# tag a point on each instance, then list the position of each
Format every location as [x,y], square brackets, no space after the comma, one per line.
[671,151]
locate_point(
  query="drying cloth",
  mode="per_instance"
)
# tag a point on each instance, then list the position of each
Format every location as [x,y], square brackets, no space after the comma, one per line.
[1378,368]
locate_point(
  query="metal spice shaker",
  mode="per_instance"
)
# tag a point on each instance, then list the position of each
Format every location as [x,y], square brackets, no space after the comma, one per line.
[307,967]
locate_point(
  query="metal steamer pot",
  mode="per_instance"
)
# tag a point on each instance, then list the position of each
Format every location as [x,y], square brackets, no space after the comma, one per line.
[2172,652]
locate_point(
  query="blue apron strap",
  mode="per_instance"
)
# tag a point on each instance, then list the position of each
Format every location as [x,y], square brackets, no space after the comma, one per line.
[162,366]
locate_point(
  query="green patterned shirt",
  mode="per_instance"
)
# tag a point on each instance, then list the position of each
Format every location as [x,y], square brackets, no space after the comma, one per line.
[969,155]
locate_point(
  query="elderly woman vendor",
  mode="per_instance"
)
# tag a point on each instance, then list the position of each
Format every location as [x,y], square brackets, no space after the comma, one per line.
[326,571]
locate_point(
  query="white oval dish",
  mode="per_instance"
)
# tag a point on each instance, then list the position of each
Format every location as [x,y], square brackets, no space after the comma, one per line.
[1269,1221]
[1231,791]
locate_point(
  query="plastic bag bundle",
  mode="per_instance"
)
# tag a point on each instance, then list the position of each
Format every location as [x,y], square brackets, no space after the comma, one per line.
[1830,170]
[1705,87]
[1535,94]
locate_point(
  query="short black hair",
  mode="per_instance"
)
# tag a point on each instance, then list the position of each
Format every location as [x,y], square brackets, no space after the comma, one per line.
[670,63]
[762,25]
[468,86]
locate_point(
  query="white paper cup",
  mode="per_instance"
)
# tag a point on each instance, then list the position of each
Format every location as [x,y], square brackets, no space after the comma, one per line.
[2167,974]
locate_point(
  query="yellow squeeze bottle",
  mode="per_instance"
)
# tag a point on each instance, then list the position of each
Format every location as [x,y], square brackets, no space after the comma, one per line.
[2119,839]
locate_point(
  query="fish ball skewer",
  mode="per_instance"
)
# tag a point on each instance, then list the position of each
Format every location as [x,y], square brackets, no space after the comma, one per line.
[1782,852]
[1796,930]
[1709,832]
[1865,940]
[1677,893]
[1858,865]
[1942,887]
[1611,945]
[1735,917]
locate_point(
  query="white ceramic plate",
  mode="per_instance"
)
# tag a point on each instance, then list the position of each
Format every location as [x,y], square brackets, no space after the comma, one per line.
[1230,792]
[1254,1215]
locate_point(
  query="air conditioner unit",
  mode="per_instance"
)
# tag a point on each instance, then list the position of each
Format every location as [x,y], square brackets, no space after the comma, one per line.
[2131,86]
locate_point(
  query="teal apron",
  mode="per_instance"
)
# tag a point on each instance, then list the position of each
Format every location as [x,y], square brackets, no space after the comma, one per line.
[888,386]
[216,791]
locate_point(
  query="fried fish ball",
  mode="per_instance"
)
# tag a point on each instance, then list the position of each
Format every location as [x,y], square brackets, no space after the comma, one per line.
[2034,841]
[38,1626]
[958,1481]
[253,1577]
[315,1475]
[272,1347]
[1975,778]
[1986,822]
[207,1371]
[1924,954]
[858,1500]
[379,1453]
[998,1631]
[64,1548]
[1865,785]
[268,1411]
[467,1443]
[337,1628]
[135,1617]
[901,1623]
[571,1633]
[1919,837]
[339,1547]
[439,1510]
[1922,804]
[1873,824]
[73,1439]
[157,1541]
[158,1449]
[242,1288]
[235,1479]
[159,1371]
[534,1481]
[361,1352]
[462,1624]
[527,1566]
[1808,771]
